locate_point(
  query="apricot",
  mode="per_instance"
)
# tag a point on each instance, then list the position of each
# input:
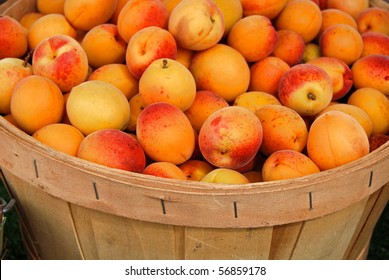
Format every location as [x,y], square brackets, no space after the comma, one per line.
[287,164]
[195,169]
[119,7]
[253,100]
[196,24]
[147,45]
[375,43]
[86,14]
[232,11]
[103,45]
[58,25]
[225,176]
[138,14]
[290,47]
[167,80]
[253,176]
[59,136]
[184,56]
[265,74]
[377,140]
[29,18]
[165,170]
[357,113]
[302,16]
[211,69]
[372,71]
[343,42]
[118,75]
[12,70]
[352,7]
[136,106]
[13,39]
[97,105]
[36,101]
[230,137]
[113,148]
[205,103]
[335,16]
[283,128]
[267,8]
[373,19]
[375,104]
[165,133]
[254,37]
[335,138]
[50,6]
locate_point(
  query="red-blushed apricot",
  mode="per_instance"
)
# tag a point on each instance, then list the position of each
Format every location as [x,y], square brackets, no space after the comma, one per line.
[230,137]
[164,170]
[195,169]
[113,148]
[165,133]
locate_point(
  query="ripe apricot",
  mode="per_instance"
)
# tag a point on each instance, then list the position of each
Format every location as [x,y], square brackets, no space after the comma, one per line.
[335,138]
[59,136]
[36,101]
[164,170]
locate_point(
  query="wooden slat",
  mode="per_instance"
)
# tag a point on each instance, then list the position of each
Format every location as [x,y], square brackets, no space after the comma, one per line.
[328,237]
[47,217]
[284,240]
[220,244]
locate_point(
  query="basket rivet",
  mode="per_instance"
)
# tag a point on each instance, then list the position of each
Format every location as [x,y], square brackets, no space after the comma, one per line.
[371,179]
[95,188]
[235,210]
[310,201]
[36,169]
[163,206]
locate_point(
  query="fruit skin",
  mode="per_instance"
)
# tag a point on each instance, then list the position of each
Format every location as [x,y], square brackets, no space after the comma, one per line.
[225,176]
[50,6]
[103,45]
[287,164]
[290,47]
[96,105]
[373,19]
[302,16]
[13,39]
[267,8]
[196,24]
[165,133]
[211,69]
[341,41]
[253,100]
[62,137]
[254,37]
[147,45]
[58,25]
[377,140]
[359,114]
[352,7]
[195,169]
[375,43]
[339,72]
[113,148]
[230,137]
[61,59]
[12,70]
[369,100]
[311,51]
[86,14]
[334,16]
[205,103]
[167,80]
[36,101]
[164,170]
[138,14]
[118,75]
[232,11]
[283,128]
[372,71]
[306,88]
[336,138]
[266,74]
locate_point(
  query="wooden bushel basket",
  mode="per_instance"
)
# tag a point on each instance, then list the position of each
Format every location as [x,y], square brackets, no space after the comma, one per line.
[73,209]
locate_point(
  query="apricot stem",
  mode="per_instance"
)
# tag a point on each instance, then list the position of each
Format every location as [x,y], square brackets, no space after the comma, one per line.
[164,64]
[311,96]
